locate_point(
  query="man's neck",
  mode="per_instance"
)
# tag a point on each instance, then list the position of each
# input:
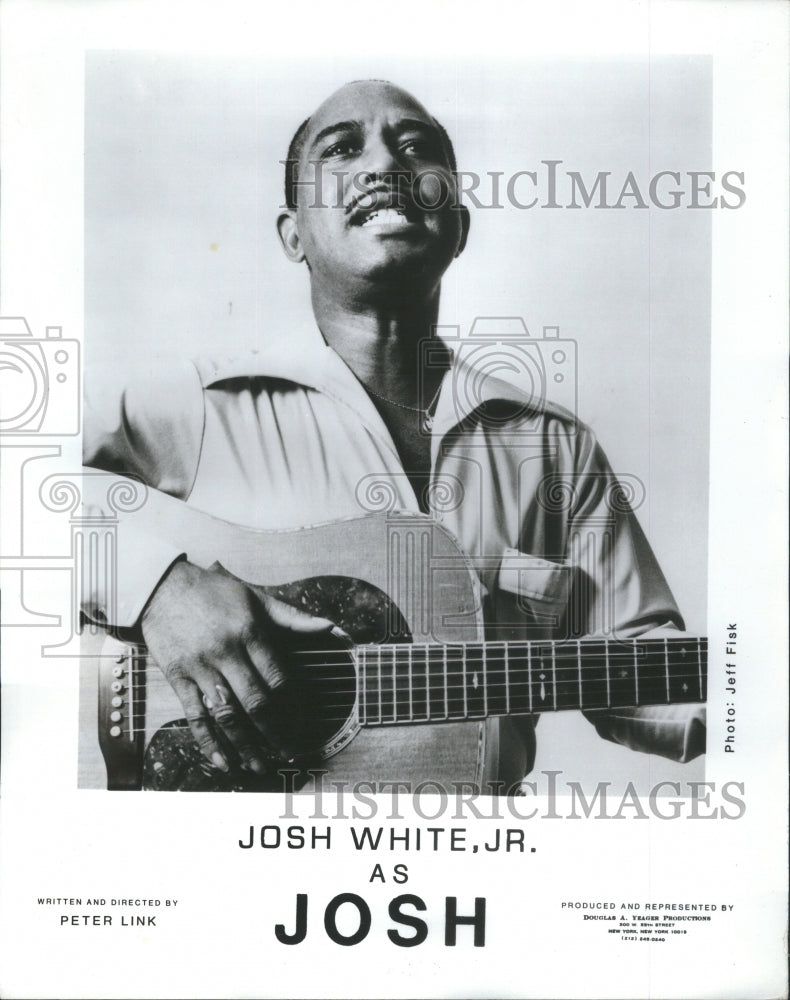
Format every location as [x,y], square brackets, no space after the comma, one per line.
[380,342]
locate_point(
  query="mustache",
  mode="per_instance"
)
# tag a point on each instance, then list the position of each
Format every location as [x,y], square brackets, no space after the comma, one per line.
[380,194]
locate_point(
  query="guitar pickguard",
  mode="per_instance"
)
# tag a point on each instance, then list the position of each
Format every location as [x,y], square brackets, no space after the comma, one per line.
[173,763]
[364,612]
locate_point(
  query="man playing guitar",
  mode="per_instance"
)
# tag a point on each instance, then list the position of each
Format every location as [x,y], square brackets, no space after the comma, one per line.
[283,439]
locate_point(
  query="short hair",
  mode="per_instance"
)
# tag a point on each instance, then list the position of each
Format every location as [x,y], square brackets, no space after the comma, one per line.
[296,148]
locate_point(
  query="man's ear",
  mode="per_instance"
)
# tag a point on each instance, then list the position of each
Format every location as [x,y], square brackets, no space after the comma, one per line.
[465,223]
[289,236]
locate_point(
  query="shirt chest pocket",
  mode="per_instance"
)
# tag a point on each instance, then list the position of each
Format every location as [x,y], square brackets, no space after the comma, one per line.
[531,597]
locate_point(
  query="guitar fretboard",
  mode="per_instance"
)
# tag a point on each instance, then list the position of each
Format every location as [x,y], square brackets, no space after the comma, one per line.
[402,683]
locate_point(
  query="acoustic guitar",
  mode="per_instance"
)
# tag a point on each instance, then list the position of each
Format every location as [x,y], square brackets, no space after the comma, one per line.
[402,689]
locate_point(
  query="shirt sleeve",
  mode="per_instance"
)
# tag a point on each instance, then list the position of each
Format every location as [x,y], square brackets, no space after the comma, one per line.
[620,584]
[147,431]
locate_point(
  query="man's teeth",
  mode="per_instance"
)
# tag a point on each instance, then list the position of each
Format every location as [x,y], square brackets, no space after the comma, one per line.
[385,217]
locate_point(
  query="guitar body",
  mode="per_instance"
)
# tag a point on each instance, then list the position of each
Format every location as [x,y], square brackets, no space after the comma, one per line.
[381,578]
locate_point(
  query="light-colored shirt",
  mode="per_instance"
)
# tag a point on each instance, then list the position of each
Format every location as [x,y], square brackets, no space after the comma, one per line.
[279,439]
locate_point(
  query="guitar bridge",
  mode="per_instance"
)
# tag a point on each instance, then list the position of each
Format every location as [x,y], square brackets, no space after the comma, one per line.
[122,717]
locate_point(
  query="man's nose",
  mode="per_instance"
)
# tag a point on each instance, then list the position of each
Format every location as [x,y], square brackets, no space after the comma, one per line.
[378,160]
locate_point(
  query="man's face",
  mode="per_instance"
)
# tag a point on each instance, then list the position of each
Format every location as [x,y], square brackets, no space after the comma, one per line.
[378,195]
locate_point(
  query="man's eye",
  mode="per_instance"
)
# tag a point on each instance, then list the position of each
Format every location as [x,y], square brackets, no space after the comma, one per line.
[343,148]
[422,147]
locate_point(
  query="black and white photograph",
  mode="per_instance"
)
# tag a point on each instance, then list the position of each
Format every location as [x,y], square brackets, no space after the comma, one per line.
[389,456]
[445,437]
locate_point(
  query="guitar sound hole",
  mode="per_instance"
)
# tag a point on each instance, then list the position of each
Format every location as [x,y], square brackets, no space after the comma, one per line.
[321,696]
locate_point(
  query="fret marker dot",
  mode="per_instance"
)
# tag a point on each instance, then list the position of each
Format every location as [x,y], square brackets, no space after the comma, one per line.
[685,688]
[623,673]
[474,681]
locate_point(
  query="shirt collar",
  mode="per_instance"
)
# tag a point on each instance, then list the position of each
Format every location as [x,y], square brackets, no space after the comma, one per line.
[306,360]
[309,361]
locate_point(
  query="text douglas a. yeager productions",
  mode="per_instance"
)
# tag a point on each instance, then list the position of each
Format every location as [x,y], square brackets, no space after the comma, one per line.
[544,796]
[550,184]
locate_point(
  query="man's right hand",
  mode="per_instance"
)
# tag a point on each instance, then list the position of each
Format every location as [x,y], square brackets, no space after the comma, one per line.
[217,644]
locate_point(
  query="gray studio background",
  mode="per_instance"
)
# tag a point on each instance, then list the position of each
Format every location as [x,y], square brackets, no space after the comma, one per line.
[183,184]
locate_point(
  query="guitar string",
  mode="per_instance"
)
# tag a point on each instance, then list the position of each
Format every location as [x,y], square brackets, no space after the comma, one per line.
[331,657]
[415,652]
[459,679]
[399,696]
[459,682]
[437,713]
[480,649]
[372,719]
[419,656]
[352,678]
[322,661]
[457,671]
[625,648]
[411,713]
[398,699]
[319,671]
[376,722]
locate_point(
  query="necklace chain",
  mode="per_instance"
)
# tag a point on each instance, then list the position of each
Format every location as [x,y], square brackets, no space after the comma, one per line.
[426,411]
[403,406]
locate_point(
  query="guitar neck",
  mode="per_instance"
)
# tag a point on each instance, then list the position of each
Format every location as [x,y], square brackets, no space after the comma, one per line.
[400,684]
